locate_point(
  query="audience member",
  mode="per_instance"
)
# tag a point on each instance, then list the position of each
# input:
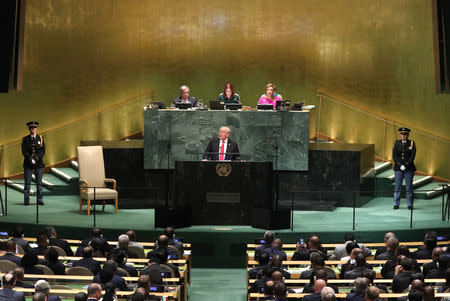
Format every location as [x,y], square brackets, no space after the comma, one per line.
[327,294]
[20,275]
[358,293]
[163,243]
[87,261]
[415,296]
[18,233]
[120,257]
[10,254]
[51,257]
[163,254]
[268,290]
[370,275]
[276,248]
[388,270]
[428,293]
[403,276]
[392,245]
[317,263]
[382,250]
[54,241]
[429,243]
[340,251]
[100,245]
[153,268]
[319,284]
[351,263]
[108,274]
[276,264]
[170,233]
[258,285]
[38,297]
[132,236]
[372,293]
[81,296]
[42,244]
[279,292]
[263,261]
[110,292]
[442,265]
[319,274]
[360,267]
[430,266]
[349,249]
[445,288]
[303,252]
[269,237]
[8,293]
[43,287]
[94,292]
[28,262]
[123,243]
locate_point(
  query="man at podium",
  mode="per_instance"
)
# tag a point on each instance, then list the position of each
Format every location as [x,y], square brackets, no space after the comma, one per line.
[222,148]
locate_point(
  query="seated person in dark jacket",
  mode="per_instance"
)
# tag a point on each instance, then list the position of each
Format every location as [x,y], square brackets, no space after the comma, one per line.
[303,252]
[120,257]
[10,254]
[382,250]
[276,264]
[163,242]
[169,232]
[428,293]
[54,241]
[360,267]
[185,97]
[388,270]
[350,265]
[442,265]
[269,237]
[392,245]
[108,274]
[414,295]
[279,292]
[358,293]
[317,263]
[143,286]
[319,274]
[20,276]
[263,261]
[276,248]
[430,242]
[98,243]
[371,274]
[87,261]
[404,274]
[28,262]
[372,293]
[319,284]
[7,292]
[51,258]
[42,244]
[153,265]
[162,254]
[258,285]
[277,277]
[18,234]
[430,266]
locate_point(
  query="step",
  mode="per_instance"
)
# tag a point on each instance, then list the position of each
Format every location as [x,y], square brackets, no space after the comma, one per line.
[20,187]
[65,173]
[50,181]
[437,192]
[428,191]
[382,166]
[387,174]
[74,164]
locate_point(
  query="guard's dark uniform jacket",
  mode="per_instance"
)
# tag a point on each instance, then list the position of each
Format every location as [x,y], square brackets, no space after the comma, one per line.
[33,149]
[404,154]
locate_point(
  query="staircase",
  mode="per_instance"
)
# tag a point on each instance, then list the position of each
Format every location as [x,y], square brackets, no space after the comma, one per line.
[424,186]
[60,181]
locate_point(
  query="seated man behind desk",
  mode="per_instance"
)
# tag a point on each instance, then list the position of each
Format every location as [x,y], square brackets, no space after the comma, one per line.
[222,148]
[185,97]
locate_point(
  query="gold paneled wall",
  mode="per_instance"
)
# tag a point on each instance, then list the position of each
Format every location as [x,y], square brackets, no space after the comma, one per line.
[82,56]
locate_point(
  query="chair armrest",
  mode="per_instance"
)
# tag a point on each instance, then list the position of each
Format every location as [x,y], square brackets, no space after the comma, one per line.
[83,185]
[108,180]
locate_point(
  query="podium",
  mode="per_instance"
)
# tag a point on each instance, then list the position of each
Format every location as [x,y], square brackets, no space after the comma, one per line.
[222,193]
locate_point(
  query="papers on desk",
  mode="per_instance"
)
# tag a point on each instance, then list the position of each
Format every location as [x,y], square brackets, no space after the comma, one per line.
[309,107]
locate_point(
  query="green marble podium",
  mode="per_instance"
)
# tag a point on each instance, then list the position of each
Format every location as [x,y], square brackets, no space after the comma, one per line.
[182,135]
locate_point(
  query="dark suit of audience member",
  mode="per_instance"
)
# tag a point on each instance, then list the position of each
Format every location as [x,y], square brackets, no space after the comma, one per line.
[108,274]
[402,280]
[392,245]
[8,293]
[313,297]
[340,251]
[163,243]
[319,274]
[169,232]
[98,243]
[317,263]
[426,251]
[356,296]
[388,270]
[51,257]
[120,257]
[304,252]
[442,265]
[262,263]
[54,241]
[10,253]
[258,285]
[87,261]
[269,236]
[28,262]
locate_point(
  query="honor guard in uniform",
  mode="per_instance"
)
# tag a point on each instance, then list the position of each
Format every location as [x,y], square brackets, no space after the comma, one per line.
[33,150]
[403,153]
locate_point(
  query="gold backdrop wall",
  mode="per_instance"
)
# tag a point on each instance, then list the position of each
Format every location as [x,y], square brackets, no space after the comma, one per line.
[82,56]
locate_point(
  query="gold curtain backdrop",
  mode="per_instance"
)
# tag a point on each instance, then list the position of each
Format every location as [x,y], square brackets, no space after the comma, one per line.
[82,56]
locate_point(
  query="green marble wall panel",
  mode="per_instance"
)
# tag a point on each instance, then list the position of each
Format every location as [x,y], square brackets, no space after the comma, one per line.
[182,135]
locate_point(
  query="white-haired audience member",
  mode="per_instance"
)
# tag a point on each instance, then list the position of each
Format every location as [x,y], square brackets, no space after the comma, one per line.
[43,287]
[8,293]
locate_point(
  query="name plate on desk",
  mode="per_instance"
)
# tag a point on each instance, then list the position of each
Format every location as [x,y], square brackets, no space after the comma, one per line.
[223,197]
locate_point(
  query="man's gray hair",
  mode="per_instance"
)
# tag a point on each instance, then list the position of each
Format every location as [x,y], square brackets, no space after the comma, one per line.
[327,291]
[123,238]
[42,286]
[184,87]
[361,284]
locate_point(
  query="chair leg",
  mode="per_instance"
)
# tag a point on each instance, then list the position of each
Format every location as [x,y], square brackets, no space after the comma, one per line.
[103,207]
[116,203]
[81,204]
[88,207]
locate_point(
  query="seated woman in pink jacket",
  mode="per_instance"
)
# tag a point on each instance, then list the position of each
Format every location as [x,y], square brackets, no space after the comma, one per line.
[271,97]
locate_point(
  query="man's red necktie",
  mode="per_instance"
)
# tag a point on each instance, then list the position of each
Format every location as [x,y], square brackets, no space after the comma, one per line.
[222,151]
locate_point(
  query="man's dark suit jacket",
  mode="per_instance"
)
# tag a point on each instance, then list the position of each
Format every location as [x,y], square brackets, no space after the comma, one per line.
[92,264]
[39,250]
[304,254]
[309,288]
[388,255]
[435,274]
[313,297]
[388,270]
[401,281]
[428,267]
[274,251]
[116,280]
[423,253]
[212,150]
[306,274]
[11,295]
[192,100]
[355,296]
[379,251]
[57,267]
[62,244]
[355,273]
[11,257]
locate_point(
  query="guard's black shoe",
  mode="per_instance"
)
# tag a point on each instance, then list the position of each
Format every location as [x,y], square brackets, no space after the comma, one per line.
[26,203]
[396,207]
[410,207]
[41,203]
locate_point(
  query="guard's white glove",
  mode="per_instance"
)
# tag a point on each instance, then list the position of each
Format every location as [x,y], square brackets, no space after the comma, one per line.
[402,168]
[33,162]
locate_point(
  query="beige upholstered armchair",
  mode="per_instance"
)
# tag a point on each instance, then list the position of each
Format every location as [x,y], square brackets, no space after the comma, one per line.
[92,174]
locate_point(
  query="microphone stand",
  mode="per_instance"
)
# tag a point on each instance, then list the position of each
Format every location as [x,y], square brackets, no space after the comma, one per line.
[277,182]
[169,147]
